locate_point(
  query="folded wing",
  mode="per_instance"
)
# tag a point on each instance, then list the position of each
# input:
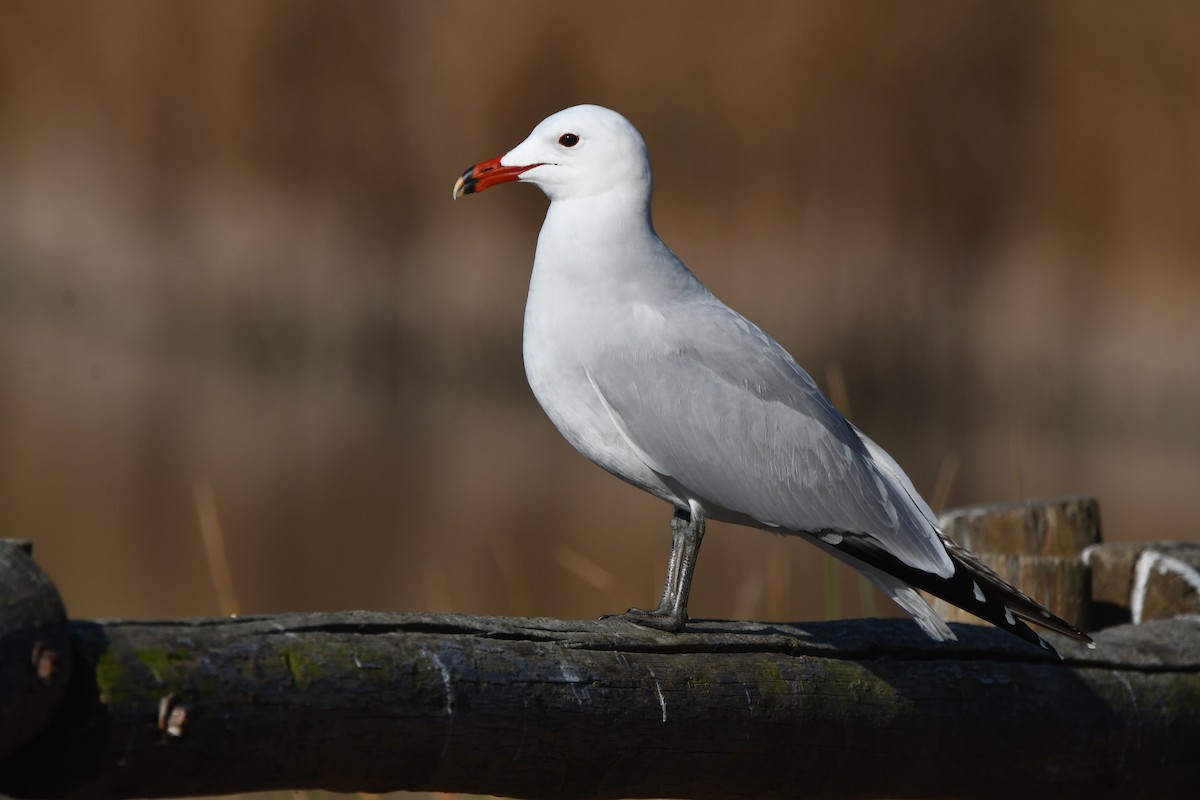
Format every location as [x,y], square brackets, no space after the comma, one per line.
[725,413]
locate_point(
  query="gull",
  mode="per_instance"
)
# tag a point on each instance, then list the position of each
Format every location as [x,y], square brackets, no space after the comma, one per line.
[645,372]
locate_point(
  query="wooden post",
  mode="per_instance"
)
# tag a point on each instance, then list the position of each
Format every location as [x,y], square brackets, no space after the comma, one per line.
[1141,581]
[35,651]
[1036,545]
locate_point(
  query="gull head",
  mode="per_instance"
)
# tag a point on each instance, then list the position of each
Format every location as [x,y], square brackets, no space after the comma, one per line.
[581,151]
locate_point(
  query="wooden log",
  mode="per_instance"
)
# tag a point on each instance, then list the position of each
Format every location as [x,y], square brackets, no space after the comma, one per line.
[35,651]
[557,709]
[1036,545]
[1141,581]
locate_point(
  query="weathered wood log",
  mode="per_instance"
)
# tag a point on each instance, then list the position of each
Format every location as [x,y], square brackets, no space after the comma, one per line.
[1036,545]
[556,709]
[1141,581]
[35,650]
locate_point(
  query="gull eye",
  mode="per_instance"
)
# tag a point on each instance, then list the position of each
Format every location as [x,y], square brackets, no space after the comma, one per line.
[568,140]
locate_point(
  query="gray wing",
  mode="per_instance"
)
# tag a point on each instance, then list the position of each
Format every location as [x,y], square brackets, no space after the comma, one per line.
[723,411]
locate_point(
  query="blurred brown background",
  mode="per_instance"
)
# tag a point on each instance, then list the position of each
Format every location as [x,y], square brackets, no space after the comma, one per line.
[228,257]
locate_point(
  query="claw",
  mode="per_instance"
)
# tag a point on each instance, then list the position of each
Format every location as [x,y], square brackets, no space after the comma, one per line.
[659,620]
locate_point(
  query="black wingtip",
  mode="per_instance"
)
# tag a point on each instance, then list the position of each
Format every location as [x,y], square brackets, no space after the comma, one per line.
[995,600]
[975,588]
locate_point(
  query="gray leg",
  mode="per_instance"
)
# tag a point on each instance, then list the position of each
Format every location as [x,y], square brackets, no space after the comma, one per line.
[671,585]
[687,531]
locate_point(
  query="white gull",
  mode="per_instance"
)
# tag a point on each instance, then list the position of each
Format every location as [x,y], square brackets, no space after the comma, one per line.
[649,375]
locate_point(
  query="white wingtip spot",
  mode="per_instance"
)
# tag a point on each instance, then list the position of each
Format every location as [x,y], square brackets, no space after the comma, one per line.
[1009,618]
[831,538]
[978,592]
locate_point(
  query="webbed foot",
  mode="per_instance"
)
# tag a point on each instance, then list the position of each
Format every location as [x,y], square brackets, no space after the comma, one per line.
[659,619]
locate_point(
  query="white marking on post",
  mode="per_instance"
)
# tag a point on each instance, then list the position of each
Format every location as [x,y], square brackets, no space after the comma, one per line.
[1136,716]
[572,678]
[449,686]
[437,662]
[1147,561]
[662,701]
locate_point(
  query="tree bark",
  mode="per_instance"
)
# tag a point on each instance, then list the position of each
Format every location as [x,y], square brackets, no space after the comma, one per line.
[557,709]
[35,647]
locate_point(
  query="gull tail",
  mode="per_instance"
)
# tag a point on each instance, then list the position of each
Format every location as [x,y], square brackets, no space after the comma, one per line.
[997,601]
[911,601]
[973,587]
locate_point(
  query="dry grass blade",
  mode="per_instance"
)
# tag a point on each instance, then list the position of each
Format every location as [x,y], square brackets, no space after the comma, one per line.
[437,587]
[944,483]
[1018,465]
[512,572]
[779,577]
[214,549]
[584,568]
